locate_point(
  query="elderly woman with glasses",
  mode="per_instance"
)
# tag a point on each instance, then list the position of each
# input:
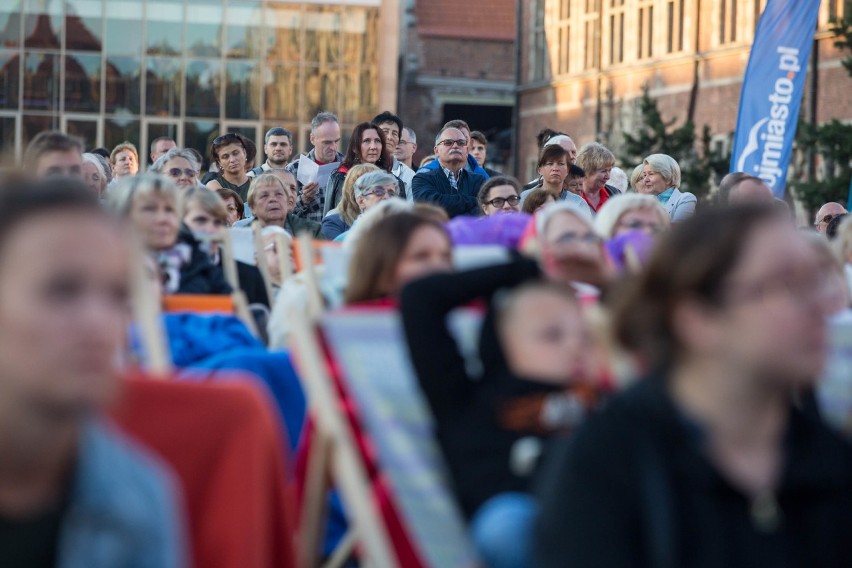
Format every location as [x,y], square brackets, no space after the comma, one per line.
[500,194]
[631,212]
[179,165]
[661,178]
[371,189]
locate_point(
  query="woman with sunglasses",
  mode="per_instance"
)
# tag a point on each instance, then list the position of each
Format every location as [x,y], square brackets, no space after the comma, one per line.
[232,153]
[500,194]
[179,165]
[366,146]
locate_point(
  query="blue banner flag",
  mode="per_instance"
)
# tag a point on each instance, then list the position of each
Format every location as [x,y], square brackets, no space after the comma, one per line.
[772,91]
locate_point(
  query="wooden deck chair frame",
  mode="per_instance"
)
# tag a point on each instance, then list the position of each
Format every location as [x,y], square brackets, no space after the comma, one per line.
[146,311]
[334,458]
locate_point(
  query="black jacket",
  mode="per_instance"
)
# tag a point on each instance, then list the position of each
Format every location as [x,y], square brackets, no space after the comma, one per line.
[252,284]
[434,187]
[199,275]
[633,488]
[478,422]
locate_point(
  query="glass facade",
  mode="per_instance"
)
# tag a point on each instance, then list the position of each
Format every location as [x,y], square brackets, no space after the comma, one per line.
[114,70]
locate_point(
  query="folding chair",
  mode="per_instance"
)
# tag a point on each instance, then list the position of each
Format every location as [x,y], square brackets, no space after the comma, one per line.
[224,443]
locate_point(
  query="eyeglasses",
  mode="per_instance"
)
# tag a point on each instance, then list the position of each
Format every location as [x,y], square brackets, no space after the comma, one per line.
[229,137]
[379,192]
[572,238]
[827,219]
[499,202]
[175,172]
[451,143]
[403,143]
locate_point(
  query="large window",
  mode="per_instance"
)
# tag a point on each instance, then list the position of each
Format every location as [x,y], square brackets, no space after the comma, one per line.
[115,70]
[727,21]
[645,31]
[563,37]
[591,34]
[674,25]
[539,51]
[616,32]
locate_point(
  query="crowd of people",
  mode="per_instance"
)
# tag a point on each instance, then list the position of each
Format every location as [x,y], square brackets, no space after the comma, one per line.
[647,387]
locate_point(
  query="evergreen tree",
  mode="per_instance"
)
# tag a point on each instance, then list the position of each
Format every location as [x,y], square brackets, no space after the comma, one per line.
[653,135]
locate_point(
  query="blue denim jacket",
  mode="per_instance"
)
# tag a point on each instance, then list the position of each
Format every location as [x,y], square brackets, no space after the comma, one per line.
[123,509]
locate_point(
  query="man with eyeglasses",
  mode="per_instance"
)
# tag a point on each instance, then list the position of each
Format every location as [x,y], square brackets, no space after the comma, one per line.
[449,185]
[406,147]
[325,139]
[277,146]
[826,215]
[391,125]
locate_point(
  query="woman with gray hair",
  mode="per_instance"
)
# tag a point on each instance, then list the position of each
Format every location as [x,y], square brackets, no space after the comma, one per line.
[97,173]
[661,178]
[180,165]
[371,189]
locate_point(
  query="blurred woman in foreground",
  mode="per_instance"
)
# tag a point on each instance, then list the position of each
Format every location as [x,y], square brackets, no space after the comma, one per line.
[73,492]
[707,462]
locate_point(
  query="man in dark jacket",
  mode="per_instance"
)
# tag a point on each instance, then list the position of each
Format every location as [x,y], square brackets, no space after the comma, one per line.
[449,185]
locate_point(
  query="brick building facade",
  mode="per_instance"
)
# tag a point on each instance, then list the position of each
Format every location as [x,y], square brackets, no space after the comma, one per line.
[584,64]
[458,61]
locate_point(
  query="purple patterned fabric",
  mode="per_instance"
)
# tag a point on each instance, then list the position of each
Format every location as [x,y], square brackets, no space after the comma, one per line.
[642,244]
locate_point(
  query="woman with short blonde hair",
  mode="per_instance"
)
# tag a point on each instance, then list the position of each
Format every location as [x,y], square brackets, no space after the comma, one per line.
[597,161]
[631,212]
[661,178]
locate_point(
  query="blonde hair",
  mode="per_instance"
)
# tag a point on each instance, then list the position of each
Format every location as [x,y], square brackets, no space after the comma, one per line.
[348,208]
[635,175]
[594,157]
[614,209]
[264,180]
[121,148]
[121,197]
[207,199]
[666,166]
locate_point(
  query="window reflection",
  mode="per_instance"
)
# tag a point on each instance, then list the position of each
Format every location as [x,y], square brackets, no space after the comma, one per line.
[43,24]
[10,24]
[41,81]
[204,29]
[156,130]
[200,135]
[83,83]
[165,28]
[242,89]
[33,124]
[162,87]
[321,89]
[10,64]
[122,84]
[7,134]
[203,79]
[282,37]
[87,130]
[322,40]
[118,130]
[124,27]
[242,34]
[83,20]
[368,95]
[360,26]
[281,92]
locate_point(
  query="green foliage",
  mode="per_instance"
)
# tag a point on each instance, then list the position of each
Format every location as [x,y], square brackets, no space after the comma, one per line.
[833,142]
[653,135]
[842,30]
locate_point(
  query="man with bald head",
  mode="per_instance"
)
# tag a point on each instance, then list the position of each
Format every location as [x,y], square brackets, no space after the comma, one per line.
[740,187]
[826,215]
[450,184]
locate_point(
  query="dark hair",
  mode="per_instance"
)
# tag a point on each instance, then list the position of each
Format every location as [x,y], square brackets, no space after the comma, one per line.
[552,152]
[231,138]
[388,116]
[197,155]
[23,199]
[277,131]
[535,199]
[226,193]
[458,124]
[479,137]
[692,261]
[831,228]
[575,171]
[353,152]
[50,141]
[546,134]
[482,196]
[100,151]
[377,254]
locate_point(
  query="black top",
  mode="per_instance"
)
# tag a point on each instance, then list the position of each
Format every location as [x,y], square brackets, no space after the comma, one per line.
[252,284]
[242,190]
[478,422]
[199,275]
[32,542]
[633,488]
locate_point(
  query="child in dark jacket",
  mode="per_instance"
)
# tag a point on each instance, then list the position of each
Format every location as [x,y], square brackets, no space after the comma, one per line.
[533,346]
